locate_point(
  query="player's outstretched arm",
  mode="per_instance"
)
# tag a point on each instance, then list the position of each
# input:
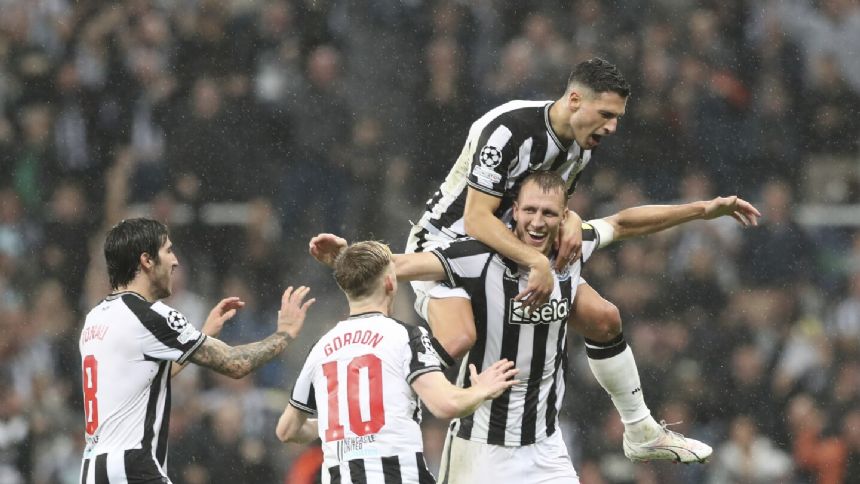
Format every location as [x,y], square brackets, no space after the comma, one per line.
[445,400]
[220,314]
[481,223]
[422,266]
[238,361]
[295,426]
[648,219]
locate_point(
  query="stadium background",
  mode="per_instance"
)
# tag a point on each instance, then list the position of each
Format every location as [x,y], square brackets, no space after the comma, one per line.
[251,125]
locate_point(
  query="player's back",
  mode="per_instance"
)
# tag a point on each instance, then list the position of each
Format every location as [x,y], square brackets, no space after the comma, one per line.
[126,346]
[357,379]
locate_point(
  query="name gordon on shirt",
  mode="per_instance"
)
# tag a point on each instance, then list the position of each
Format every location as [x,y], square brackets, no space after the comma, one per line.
[364,337]
[550,312]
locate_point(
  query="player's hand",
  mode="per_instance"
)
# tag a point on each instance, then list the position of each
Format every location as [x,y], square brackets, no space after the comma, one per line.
[291,317]
[539,287]
[741,210]
[326,247]
[568,244]
[495,379]
[220,314]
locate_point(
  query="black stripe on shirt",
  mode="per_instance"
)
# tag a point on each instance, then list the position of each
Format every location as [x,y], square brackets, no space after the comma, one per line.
[476,288]
[509,347]
[140,467]
[101,469]
[357,474]
[334,474]
[161,446]
[424,475]
[553,390]
[391,470]
[529,428]
[84,471]
[156,324]
[565,287]
[152,406]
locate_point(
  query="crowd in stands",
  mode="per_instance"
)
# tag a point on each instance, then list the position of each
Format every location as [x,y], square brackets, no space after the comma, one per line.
[307,116]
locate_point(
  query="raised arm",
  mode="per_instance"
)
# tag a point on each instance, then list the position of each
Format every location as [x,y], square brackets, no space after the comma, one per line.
[422,266]
[648,219]
[238,361]
[445,400]
[481,223]
[220,314]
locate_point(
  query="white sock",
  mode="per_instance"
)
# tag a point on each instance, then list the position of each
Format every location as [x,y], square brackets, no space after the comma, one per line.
[615,369]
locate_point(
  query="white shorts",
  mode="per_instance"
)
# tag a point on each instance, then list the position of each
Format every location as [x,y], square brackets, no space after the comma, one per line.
[467,462]
[426,290]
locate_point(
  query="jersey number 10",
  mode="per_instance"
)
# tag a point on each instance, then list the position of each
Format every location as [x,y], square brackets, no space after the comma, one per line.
[353,397]
[91,384]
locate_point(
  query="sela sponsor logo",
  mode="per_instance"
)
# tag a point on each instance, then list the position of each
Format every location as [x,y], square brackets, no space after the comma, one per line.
[552,311]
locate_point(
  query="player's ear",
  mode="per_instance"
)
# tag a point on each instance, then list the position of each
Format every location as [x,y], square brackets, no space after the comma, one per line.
[574,99]
[390,283]
[146,261]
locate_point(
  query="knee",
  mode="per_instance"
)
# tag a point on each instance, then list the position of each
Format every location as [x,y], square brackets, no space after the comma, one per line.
[604,323]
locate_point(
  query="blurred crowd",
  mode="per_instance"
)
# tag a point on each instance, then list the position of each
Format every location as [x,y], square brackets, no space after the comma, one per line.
[251,125]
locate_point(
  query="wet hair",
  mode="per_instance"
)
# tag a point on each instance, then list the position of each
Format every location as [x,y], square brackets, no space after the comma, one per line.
[600,76]
[357,269]
[548,181]
[124,244]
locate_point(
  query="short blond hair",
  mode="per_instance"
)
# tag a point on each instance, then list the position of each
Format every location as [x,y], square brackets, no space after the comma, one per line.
[358,268]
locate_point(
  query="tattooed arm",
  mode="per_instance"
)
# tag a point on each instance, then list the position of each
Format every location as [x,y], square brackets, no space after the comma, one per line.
[238,361]
[219,315]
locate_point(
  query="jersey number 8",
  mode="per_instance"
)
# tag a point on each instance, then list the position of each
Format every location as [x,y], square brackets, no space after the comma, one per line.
[91,385]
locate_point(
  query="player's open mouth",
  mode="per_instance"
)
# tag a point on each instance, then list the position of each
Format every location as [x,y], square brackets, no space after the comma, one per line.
[536,236]
[595,139]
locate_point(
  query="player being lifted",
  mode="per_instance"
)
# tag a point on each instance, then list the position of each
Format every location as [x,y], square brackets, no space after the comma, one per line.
[129,343]
[502,148]
[516,438]
[362,378]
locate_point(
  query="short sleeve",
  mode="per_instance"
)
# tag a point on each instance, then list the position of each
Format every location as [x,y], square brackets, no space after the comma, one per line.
[167,335]
[463,259]
[590,241]
[491,162]
[421,357]
[303,397]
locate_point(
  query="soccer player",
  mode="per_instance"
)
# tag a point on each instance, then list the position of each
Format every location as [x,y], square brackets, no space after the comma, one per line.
[502,148]
[516,438]
[362,378]
[131,340]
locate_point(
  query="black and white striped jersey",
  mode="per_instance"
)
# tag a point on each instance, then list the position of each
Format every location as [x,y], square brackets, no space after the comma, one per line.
[536,341]
[127,345]
[503,147]
[357,380]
